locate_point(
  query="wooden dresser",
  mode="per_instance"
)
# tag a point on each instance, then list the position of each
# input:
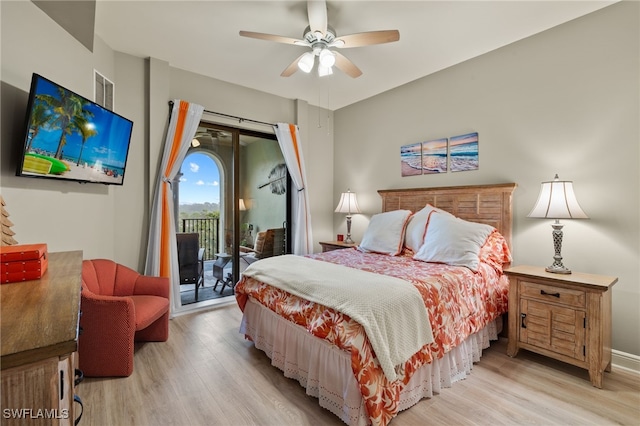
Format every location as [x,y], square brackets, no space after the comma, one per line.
[39,339]
[566,317]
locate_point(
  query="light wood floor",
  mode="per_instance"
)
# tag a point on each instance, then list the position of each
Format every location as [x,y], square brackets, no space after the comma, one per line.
[207,374]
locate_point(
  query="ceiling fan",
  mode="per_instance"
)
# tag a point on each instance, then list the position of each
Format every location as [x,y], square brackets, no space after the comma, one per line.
[321,38]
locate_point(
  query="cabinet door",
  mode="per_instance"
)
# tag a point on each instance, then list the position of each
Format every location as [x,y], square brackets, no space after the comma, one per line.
[554,328]
[30,394]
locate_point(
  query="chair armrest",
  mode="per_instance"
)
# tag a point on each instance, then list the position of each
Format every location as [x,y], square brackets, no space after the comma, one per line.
[244,249]
[108,308]
[152,286]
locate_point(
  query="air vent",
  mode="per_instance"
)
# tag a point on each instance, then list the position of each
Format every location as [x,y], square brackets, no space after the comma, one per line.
[103,91]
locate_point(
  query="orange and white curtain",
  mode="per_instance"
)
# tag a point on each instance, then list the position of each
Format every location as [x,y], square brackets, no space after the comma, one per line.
[289,141]
[162,252]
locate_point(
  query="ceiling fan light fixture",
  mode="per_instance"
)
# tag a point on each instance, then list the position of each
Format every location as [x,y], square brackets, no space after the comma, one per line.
[306,62]
[327,58]
[324,71]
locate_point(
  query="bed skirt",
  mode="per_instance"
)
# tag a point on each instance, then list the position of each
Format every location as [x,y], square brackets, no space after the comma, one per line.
[325,370]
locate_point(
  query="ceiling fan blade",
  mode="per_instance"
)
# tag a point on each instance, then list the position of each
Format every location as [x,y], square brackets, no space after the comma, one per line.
[317,11]
[367,39]
[293,67]
[271,37]
[346,66]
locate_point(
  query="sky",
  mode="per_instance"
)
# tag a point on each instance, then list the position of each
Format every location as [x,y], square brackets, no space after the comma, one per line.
[200,182]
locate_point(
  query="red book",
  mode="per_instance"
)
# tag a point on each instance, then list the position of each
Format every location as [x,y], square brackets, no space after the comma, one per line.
[22,252]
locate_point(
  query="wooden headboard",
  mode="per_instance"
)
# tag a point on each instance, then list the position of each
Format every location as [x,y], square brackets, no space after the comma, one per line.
[490,204]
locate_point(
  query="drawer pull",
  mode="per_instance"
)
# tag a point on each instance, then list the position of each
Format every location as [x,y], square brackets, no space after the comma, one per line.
[522,323]
[544,293]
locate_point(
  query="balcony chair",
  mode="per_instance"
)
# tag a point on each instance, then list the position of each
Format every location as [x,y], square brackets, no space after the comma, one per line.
[268,243]
[190,260]
[119,306]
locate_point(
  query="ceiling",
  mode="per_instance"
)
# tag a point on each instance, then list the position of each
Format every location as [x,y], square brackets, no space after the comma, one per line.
[202,37]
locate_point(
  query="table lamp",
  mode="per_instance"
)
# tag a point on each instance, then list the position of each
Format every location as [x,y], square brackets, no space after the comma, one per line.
[557,201]
[348,204]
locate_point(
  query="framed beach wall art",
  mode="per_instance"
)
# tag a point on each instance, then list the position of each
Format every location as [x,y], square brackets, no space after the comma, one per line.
[411,159]
[434,156]
[463,152]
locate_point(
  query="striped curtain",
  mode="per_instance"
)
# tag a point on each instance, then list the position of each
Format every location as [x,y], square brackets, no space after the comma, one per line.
[289,141]
[162,252]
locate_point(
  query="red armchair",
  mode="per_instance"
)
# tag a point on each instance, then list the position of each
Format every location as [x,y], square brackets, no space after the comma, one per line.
[119,306]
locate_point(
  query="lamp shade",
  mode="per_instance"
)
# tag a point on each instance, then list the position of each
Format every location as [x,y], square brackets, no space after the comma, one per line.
[306,62]
[557,201]
[327,58]
[241,205]
[348,203]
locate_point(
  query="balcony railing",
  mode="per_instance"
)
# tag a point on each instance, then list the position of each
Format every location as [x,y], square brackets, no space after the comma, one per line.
[209,231]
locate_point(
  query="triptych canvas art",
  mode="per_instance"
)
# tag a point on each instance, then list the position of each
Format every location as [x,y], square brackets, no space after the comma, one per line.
[457,154]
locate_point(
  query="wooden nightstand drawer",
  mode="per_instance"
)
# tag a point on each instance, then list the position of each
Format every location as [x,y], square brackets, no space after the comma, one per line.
[553,294]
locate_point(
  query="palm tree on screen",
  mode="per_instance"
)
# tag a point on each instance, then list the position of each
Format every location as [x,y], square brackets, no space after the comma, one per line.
[40,117]
[66,106]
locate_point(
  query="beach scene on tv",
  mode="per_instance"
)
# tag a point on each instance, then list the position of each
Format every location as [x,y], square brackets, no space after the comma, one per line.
[70,137]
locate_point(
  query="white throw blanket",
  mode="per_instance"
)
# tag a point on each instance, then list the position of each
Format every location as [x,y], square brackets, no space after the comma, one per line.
[390,310]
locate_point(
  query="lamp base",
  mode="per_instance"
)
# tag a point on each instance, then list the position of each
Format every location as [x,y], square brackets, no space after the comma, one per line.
[557,269]
[348,240]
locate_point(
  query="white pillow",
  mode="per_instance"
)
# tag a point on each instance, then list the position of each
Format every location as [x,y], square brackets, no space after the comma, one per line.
[417,226]
[453,241]
[385,233]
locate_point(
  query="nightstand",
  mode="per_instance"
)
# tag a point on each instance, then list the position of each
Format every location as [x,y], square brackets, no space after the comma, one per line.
[565,317]
[335,245]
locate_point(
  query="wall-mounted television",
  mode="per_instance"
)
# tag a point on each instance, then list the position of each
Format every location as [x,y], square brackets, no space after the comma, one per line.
[69,137]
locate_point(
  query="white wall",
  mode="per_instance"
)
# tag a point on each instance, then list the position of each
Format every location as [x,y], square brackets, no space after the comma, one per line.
[565,101]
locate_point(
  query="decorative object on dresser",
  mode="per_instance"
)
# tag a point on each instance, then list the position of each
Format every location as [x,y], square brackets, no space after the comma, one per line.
[23,262]
[557,201]
[7,232]
[119,306]
[335,245]
[39,371]
[348,204]
[565,317]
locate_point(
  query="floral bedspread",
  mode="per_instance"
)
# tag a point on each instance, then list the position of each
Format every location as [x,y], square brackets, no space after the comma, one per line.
[459,303]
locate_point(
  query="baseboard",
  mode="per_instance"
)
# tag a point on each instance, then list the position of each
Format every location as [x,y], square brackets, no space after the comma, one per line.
[625,360]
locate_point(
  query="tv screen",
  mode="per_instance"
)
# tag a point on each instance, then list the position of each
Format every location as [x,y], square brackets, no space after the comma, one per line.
[69,137]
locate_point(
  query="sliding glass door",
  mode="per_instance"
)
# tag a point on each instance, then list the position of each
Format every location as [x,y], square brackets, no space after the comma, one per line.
[242,203]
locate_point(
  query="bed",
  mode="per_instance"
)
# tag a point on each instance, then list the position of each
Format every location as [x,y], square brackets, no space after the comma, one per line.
[367,363]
